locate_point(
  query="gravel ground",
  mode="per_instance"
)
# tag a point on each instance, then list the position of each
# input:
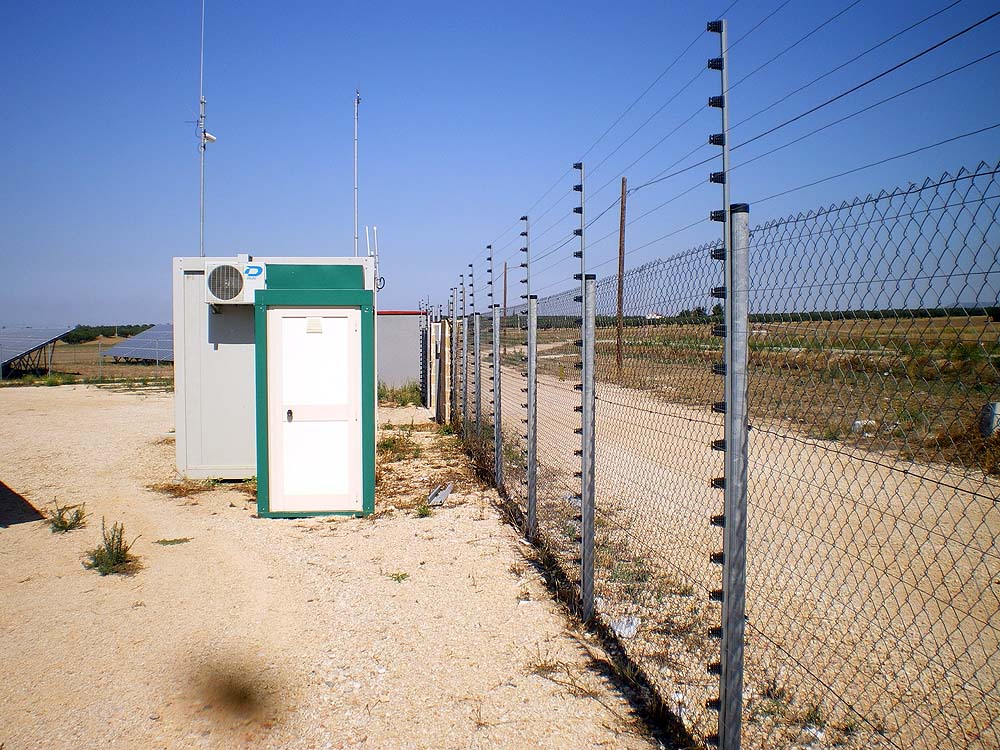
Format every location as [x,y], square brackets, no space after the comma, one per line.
[391,632]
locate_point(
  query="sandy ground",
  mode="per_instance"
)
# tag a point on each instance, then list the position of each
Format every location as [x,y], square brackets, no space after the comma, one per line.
[392,632]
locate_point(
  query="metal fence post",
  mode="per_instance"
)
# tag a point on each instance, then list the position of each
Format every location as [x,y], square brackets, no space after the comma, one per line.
[730,664]
[735,530]
[497,411]
[477,372]
[587,503]
[532,447]
[465,363]
[453,386]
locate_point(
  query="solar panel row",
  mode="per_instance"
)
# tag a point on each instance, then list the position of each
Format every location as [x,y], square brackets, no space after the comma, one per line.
[19,342]
[153,344]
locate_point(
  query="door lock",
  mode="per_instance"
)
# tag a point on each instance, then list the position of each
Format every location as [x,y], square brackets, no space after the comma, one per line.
[288,415]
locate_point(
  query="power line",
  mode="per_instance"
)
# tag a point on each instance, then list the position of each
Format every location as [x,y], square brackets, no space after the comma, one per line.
[794,44]
[662,175]
[879,162]
[865,109]
[844,64]
[874,78]
[760,23]
[841,95]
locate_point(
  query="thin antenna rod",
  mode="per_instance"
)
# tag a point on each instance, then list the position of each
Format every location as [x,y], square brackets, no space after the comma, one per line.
[357,101]
[203,138]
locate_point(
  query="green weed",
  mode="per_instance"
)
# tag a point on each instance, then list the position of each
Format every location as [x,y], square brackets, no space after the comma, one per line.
[65,518]
[113,554]
[171,542]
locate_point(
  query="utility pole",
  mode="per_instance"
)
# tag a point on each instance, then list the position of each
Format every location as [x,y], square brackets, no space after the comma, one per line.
[621,281]
[357,101]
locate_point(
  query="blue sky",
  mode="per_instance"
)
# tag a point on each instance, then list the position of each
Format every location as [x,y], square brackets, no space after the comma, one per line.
[470,112]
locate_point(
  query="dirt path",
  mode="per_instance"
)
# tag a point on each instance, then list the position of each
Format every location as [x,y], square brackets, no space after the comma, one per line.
[869,578]
[397,632]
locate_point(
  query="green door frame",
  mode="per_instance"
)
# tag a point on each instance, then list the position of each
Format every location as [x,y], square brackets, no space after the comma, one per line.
[353,298]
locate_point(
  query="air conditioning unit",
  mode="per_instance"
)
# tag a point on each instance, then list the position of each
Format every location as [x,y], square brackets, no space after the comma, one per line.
[233,283]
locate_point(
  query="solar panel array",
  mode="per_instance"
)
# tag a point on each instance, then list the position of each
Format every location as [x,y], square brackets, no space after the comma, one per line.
[155,344]
[17,342]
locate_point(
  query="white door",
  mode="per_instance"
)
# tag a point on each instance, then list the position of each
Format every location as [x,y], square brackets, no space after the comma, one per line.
[314,409]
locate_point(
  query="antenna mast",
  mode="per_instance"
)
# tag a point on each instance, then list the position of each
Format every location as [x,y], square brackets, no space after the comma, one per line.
[357,101]
[204,137]
[201,137]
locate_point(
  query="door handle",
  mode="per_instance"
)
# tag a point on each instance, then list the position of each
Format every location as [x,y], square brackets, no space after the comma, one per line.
[288,415]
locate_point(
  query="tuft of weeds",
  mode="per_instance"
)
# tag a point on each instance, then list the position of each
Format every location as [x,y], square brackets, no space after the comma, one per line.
[543,665]
[813,717]
[516,569]
[397,447]
[424,511]
[65,518]
[399,576]
[172,542]
[113,554]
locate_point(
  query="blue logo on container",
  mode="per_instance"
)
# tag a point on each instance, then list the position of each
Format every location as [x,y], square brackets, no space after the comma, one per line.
[252,272]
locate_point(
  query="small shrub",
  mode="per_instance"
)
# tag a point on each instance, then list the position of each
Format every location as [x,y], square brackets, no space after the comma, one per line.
[113,554]
[65,518]
[399,577]
[424,510]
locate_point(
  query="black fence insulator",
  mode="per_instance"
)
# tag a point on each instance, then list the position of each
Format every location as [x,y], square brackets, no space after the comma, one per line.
[717,139]
[718,101]
[713,704]
[719,292]
[578,209]
[578,165]
[715,595]
[714,27]
[717,557]
[715,631]
[719,445]
[524,234]
[717,215]
[719,330]
[718,253]
[715,63]
[578,188]
[717,178]
[719,407]
[714,668]
[719,483]
[719,520]
[577,232]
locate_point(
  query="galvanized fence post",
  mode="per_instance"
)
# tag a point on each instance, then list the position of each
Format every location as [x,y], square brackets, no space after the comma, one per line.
[587,503]
[453,386]
[532,447]
[477,403]
[497,411]
[465,363]
[735,529]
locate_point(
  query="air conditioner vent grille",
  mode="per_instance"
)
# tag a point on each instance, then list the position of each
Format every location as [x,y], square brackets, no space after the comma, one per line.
[225,282]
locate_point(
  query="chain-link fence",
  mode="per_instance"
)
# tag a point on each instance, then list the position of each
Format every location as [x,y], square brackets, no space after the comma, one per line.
[873,469]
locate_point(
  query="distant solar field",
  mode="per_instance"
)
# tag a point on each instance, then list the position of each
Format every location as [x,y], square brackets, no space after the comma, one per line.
[18,343]
[155,344]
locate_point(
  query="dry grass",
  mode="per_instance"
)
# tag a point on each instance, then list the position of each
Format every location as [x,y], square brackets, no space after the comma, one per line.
[183,488]
[921,381]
